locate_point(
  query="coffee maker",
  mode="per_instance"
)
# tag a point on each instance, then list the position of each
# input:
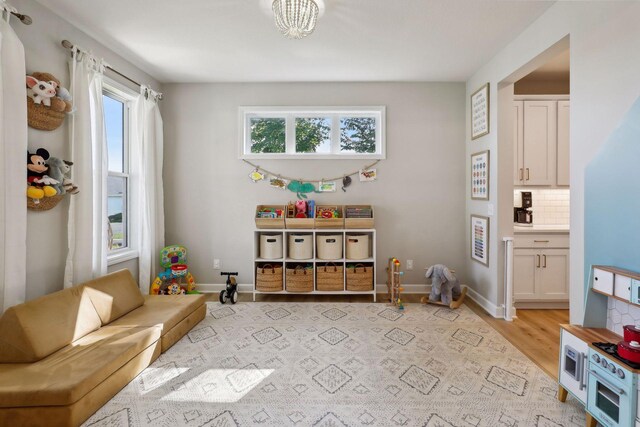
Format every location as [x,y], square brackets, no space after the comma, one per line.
[523,214]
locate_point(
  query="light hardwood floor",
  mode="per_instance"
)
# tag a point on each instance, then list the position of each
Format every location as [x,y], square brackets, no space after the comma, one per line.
[536,333]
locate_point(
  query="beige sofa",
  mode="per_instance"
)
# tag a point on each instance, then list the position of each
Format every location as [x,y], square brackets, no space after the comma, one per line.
[66,354]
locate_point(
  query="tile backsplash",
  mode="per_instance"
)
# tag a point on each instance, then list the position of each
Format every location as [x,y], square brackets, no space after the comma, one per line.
[550,205]
[620,313]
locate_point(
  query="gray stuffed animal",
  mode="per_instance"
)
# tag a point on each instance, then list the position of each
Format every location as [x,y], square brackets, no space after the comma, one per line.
[444,284]
[60,170]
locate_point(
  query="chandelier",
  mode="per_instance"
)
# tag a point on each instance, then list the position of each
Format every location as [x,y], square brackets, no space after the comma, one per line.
[295,18]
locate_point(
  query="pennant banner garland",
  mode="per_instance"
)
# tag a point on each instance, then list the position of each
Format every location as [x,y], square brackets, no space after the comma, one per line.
[304,186]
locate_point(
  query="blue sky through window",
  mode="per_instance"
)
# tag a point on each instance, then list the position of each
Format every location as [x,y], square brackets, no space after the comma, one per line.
[114,123]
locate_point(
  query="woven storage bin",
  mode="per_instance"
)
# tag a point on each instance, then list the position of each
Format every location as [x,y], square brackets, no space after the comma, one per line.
[330,277]
[269,278]
[299,279]
[45,203]
[360,278]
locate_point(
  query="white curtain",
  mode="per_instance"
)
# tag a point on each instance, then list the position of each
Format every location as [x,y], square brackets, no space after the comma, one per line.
[13,173]
[87,227]
[147,196]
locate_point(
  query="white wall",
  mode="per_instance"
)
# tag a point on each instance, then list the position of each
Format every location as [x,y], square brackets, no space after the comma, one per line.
[210,201]
[604,83]
[47,231]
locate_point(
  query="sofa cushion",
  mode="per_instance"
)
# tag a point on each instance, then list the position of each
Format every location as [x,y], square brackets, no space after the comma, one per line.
[114,295]
[69,374]
[35,329]
[165,311]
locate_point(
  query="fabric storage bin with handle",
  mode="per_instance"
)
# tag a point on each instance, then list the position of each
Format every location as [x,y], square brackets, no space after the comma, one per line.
[330,277]
[300,246]
[299,278]
[358,246]
[269,278]
[329,246]
[270,246]
[360,277]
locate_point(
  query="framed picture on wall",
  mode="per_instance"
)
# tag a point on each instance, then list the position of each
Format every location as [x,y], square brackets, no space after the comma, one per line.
[480,112]
[480,175]
[480,239]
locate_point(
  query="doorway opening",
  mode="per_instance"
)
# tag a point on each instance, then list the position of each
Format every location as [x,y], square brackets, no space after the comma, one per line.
[534,195]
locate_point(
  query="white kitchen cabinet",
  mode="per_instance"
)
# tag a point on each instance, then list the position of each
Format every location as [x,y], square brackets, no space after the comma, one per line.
[518,136]
[563,143]
[540,268]
[541,274]
[541,142]
[525,272]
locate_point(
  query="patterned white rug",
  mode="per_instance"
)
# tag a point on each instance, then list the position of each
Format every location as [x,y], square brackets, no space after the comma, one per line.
[334,365]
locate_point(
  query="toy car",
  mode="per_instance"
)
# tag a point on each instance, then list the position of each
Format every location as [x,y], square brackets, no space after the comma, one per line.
[231,291]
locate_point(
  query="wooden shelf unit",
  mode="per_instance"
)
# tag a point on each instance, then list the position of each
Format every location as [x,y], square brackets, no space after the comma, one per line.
[370,261]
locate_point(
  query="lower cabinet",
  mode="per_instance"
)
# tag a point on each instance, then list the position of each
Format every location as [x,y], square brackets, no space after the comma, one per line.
[540,274]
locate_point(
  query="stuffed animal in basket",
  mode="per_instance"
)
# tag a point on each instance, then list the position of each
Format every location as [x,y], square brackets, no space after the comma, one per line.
[444,284]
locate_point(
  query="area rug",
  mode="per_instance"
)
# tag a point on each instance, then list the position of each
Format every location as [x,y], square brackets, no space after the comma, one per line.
[334,365]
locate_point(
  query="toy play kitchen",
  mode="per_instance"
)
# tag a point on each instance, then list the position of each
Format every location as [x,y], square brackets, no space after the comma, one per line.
[598,366]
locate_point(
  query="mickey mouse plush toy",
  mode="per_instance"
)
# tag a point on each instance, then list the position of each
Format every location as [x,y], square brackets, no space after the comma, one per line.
[40,184]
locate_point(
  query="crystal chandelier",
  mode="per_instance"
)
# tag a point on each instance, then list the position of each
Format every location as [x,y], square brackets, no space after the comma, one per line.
[295,18]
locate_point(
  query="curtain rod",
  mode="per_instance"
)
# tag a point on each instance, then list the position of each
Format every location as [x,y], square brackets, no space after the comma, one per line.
[25,19]
[68,45]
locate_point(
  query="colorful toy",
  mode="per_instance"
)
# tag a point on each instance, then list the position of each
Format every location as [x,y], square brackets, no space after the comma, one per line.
[269,213]
[445,287]
[393,283]
[170,281]
[301,209]
[328,212]
[231,290]
[39,183]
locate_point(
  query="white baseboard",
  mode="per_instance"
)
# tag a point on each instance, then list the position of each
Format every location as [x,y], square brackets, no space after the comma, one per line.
[487,305]
[410,288]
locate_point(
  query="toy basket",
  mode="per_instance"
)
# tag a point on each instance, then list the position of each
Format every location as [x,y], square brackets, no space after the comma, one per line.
[358,216]
[329,246]
[299,279]
[269,278]
[360,278]
[330,277]
[332,222]
[357,246]
[45,203]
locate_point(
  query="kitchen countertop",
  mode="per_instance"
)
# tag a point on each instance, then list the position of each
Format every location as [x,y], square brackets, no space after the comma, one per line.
[549,229]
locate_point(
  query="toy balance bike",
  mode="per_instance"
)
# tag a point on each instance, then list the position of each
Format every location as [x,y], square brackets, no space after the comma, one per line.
[231,292]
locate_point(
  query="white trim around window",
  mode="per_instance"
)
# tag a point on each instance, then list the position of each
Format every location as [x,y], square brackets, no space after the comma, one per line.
[332,115]
[127,96]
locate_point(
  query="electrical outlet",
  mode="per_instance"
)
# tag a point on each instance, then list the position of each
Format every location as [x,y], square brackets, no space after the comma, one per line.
[216,264]
[409,264]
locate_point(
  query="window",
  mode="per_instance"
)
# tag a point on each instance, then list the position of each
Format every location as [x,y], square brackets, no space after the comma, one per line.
[312,132]
[117,119]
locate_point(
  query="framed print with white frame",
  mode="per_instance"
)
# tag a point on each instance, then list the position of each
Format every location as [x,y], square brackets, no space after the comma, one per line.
[480,175]
[480,239]
[480,112]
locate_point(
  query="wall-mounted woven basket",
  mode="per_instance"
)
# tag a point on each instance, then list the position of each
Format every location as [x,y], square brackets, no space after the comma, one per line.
[41,117]
[45,203]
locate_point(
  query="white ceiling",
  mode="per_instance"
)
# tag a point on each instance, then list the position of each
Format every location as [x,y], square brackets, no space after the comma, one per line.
[355,40]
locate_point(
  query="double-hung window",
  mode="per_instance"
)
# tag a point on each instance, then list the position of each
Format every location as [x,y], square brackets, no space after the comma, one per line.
[312,132]
[117,103]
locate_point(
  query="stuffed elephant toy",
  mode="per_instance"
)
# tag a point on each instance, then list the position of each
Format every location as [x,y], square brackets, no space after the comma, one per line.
[444,284]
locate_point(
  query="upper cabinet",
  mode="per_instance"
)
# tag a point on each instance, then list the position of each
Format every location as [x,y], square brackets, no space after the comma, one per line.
[541,138]
[563,143]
